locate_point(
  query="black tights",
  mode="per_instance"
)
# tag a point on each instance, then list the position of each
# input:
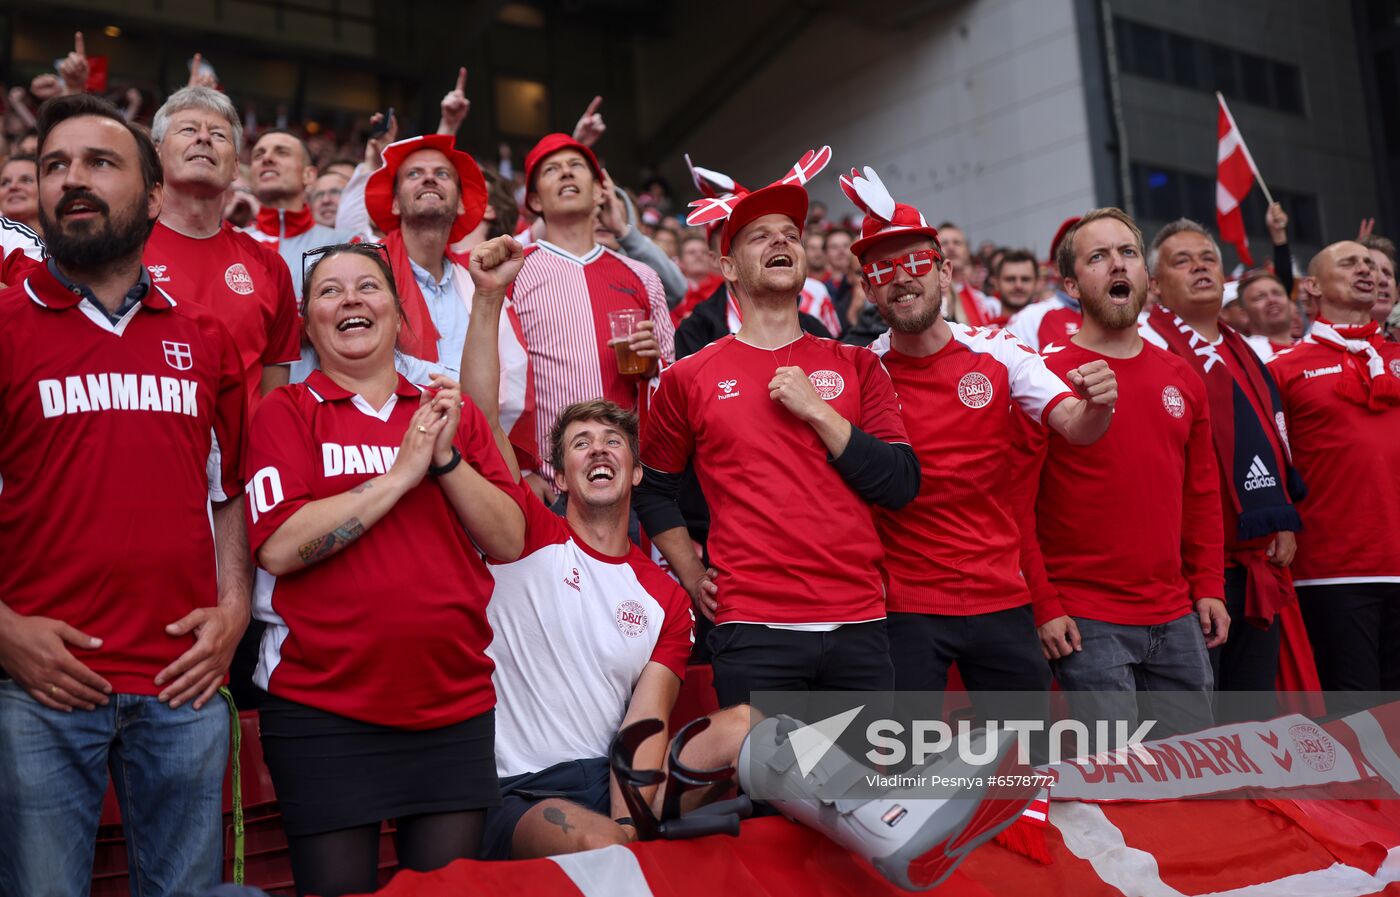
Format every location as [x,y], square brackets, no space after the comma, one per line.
[347,861]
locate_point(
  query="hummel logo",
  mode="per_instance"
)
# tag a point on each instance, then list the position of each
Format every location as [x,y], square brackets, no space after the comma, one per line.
[726,389]
[1259,476]
[1318,372]
[573,583]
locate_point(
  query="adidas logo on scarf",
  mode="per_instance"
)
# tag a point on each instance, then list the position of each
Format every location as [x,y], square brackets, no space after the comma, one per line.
[1259,476]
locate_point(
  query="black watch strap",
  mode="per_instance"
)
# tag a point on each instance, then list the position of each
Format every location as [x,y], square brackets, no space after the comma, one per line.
[449,466]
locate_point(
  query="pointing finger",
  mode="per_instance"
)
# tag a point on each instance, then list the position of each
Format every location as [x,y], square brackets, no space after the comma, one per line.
[593,106]
[462,79]
[79,46]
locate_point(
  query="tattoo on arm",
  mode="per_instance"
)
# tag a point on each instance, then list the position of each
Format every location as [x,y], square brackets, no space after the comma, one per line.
[557,817]
[332,542]
[363,487]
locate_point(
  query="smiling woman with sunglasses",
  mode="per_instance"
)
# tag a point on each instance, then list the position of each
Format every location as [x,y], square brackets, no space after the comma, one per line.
[362,516]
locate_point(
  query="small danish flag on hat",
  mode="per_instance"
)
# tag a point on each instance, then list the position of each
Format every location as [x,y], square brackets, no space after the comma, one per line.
[884,217]
[786,196]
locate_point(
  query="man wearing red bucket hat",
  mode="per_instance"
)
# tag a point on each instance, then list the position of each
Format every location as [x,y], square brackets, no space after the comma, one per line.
[568,288]
[426,196]
[793,439]
[953,555]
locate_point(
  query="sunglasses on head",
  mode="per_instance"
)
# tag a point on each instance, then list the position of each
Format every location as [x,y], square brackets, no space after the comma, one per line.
[917,263]
[312,257]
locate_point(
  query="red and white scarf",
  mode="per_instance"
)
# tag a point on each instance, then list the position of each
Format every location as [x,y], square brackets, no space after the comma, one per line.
[1364,379]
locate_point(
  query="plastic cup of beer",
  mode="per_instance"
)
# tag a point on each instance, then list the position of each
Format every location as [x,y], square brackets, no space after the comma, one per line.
[621,325]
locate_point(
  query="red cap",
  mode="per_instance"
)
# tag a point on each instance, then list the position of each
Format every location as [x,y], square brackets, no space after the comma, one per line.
[549,145]
[1060,236]
[777,199]
[379,191]
[905,220]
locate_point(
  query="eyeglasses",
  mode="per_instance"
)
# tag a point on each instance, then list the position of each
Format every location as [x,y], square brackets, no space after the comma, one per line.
[917,264]
[312,257]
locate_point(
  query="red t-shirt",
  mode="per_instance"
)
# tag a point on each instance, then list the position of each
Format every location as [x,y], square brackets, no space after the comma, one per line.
[1349,457]
[245,283]
[956,548]
[391,630]
[1128,528]
[107,434]
[792,541]
[1049,321]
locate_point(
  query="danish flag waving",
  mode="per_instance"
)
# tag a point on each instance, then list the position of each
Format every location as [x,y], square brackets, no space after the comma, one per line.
[1234,178]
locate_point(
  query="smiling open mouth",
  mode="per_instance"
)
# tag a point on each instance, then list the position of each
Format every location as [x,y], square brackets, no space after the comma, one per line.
[600,472]
[349,324]
[779,261]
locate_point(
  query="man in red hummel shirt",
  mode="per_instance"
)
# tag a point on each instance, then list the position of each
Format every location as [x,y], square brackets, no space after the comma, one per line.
[201,258]
[1126,601]
[1341,396]
[794,439]
[121,421]
[953,555]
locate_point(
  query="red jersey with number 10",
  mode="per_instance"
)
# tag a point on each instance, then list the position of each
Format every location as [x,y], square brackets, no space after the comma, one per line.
[792,541]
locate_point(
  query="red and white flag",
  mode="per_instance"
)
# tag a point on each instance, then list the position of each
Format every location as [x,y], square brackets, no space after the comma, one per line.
[1234,178]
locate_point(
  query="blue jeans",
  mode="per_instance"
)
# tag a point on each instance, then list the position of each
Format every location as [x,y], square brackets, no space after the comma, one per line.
[167,767]
[1159,672]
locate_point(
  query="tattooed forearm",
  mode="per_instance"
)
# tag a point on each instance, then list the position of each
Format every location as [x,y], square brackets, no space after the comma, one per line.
[363,487]
[332,542]
[556,816]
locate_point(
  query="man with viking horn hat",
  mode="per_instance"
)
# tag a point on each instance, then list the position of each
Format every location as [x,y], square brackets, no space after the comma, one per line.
[771,414]
[953,555]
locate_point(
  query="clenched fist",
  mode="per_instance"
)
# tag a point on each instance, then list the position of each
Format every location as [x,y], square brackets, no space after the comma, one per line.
[1095,382]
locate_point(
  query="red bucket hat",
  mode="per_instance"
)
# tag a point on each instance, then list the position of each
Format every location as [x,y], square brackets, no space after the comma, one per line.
[884,218]
[549,145]
[379,192]
[733,210]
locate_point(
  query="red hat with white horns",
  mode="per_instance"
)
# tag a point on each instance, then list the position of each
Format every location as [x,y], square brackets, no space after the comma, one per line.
[735,209]
[884,217]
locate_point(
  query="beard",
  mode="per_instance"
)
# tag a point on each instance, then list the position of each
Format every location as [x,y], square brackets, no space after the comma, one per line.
[1115,317]
[96,243]
[912,323]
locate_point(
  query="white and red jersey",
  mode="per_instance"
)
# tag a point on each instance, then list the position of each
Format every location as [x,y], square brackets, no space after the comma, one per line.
[1349,457]
[391,630]
[1129,528]
[243,282]
[21,250]
[815,300]
[562,301]
[1266,348]
[956,548]
[792,541]
[1048,321]
[573,630]
[113,440]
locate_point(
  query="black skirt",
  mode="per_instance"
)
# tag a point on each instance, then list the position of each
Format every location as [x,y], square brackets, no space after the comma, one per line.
[332,772]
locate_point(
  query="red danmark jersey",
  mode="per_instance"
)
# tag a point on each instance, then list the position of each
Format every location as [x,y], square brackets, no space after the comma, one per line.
[956,549]
[107,436]
[1350,459]
[574,628]
[391,630]
[793,543]
[243,282]
[1129,528]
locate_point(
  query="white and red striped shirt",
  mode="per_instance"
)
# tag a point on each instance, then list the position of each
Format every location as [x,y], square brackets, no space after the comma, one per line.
[563,301]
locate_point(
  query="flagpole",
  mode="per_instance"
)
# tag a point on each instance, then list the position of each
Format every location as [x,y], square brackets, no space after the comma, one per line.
[1247,157]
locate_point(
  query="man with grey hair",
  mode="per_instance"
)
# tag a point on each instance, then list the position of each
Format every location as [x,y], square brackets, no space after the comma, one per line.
[1257,482]
[198,256]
